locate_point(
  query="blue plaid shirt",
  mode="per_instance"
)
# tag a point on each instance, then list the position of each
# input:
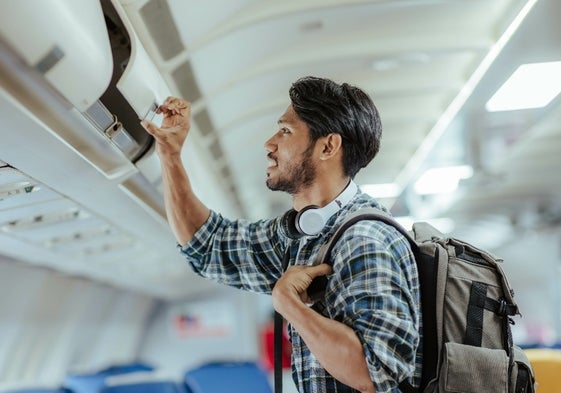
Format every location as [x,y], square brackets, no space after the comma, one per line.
[374,288]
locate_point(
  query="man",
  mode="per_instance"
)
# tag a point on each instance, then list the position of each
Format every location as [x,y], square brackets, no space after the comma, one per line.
[362,334]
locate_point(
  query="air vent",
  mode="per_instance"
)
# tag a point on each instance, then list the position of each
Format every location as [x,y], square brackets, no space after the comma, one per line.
[225,172]
[204,122]
[161,26]
[185,82]
[311,26]
[216,150]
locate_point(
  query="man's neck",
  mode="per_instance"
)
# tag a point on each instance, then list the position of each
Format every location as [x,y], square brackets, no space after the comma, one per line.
[320,193]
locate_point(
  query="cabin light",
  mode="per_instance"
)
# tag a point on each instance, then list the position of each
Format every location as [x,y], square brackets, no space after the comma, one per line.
[392,62]
[13,189]
[385,190]
[78,237]
[532,85]
[442,180]
[107,248]
[42,220]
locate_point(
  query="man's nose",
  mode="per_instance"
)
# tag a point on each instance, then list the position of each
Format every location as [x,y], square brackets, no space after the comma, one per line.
[269,144]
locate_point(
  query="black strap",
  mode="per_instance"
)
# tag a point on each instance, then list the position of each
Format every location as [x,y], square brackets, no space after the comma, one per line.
[278,326]
[277,335]
[474,324]
[370,215]
[319,284]
[406,387]
[523,381]
[501,307]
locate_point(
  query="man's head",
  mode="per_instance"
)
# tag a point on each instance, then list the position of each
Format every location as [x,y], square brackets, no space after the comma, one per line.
[327,107]
[291,167]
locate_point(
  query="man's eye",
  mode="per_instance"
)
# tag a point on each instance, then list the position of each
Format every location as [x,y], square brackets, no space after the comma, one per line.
[285,130]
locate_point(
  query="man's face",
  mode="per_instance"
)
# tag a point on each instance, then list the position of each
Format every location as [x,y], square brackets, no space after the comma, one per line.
[290,152]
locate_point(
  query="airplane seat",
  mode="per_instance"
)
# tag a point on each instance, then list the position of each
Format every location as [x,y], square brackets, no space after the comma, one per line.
[546,363]
[147,387]
[40,390]
[94,382]
[228,377]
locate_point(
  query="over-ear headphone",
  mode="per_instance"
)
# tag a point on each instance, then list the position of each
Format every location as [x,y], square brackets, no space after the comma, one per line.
[311,219]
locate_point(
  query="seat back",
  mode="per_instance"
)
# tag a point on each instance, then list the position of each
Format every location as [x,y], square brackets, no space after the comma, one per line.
[228,377]
[94,382]
[146,387]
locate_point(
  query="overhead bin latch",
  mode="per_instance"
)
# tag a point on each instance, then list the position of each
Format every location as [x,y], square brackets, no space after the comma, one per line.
[151,112]
[120,137]
[114,128]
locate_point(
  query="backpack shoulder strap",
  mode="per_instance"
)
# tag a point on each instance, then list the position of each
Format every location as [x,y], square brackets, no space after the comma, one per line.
[319,284]
[369,213]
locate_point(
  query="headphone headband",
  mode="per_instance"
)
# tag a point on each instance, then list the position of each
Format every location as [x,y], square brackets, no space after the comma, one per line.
[311,219]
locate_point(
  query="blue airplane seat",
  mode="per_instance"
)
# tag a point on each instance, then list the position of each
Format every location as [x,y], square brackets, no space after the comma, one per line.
[147,387]
[228,377]
[39,390]
[94,382]
[126,368]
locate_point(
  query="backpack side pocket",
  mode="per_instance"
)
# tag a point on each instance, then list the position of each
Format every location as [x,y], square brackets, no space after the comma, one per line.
[522,379]
[469,369]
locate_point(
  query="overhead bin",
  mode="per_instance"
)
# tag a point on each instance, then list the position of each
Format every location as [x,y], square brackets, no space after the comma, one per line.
[90,82]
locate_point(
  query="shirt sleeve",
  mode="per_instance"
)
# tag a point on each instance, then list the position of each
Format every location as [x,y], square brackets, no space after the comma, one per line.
[237,253]
[375,290]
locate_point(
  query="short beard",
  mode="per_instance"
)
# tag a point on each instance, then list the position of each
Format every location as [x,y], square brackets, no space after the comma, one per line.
[300,174]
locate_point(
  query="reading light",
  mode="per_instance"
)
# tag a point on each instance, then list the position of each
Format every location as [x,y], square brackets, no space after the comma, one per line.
[19,188]
[532,85]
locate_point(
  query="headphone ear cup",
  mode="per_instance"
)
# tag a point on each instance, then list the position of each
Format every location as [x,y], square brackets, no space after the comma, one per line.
[309,221]
[289,224]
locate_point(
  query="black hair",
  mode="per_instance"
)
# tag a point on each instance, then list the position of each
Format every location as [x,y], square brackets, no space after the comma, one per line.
[327,107]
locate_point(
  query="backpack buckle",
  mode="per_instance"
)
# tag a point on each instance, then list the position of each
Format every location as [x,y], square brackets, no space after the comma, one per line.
[502,307]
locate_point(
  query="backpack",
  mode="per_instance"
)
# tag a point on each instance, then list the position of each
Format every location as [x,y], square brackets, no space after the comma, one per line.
[467,304]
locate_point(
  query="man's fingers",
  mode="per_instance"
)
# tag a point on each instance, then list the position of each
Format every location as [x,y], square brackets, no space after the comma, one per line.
[173,105]
[320,270]
[150,127]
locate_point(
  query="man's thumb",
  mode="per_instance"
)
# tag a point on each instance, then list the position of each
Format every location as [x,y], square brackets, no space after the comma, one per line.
[150,127]
[323,269]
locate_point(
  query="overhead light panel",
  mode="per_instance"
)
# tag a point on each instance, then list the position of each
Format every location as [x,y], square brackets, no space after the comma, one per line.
[19,188]
[531,86]
[442,180]
[78,237]
[42,220]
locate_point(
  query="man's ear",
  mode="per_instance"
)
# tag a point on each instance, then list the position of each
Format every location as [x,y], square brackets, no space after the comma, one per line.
[331,145]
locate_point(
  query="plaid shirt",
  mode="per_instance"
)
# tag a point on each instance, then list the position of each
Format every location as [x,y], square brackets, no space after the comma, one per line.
[374,288]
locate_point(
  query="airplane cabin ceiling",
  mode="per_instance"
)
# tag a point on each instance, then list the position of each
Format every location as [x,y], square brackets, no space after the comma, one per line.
[429,65]
[413,57]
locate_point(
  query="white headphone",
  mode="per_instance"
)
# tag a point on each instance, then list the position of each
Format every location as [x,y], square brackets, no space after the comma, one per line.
[311,219]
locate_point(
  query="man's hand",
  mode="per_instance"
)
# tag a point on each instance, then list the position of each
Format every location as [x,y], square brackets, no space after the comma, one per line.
[175,126]
[291,288]
[343,357]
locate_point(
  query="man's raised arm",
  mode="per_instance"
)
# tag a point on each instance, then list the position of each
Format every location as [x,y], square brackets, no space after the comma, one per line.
[185,212]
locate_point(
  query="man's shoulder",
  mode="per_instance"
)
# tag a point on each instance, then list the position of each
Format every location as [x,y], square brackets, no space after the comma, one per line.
[373,229]
[360,202]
